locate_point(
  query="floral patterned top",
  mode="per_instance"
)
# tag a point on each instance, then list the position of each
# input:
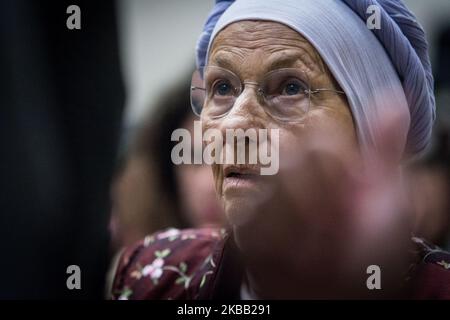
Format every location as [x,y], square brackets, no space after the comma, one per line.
[200,264]
[172,264]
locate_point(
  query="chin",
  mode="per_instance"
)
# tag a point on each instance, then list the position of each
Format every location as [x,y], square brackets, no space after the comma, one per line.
[243,192]
[239,213]
[242,208]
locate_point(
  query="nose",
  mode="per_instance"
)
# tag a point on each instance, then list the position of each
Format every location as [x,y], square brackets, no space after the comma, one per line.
[247,111]
[241,125]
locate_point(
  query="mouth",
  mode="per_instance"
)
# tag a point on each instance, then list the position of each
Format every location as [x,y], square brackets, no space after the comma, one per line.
[239,171]
[240,177]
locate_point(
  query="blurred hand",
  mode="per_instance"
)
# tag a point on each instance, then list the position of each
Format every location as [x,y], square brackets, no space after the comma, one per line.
[333,212]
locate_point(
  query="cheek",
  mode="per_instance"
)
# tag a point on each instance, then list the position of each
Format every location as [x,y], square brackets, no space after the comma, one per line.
[208,123]
[330,123]
[335,121]
[218,177]
[216,168]
[291,142]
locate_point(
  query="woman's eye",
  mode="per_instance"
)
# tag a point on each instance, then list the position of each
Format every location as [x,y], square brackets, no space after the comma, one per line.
[222,88]
[292,89]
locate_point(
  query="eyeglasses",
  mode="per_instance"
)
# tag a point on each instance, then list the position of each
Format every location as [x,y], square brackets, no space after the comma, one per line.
[284,93]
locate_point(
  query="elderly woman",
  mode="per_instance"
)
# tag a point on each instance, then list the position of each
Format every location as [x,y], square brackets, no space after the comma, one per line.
[352,105]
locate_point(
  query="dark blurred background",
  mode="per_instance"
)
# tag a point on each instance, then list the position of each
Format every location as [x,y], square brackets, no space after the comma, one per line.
[64,114]
[61,98]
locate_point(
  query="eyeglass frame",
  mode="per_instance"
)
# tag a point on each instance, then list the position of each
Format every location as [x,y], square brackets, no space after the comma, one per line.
[260,92]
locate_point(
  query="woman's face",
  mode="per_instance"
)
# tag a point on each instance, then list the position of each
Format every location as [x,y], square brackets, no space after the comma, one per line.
[251,49]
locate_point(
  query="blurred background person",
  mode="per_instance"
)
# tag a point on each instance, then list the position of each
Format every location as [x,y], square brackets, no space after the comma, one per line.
[433,171]
[150,192]
[430,181]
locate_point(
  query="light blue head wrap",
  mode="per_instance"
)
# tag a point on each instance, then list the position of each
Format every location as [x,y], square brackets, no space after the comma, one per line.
[377,69]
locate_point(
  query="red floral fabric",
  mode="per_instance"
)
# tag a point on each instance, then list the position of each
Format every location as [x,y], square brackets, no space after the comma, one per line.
[198,264]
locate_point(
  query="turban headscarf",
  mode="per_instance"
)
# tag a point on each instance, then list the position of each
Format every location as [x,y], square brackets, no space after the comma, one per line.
[377,69]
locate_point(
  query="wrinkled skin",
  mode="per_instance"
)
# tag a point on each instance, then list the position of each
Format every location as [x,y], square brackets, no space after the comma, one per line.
[250,49]
[311,230]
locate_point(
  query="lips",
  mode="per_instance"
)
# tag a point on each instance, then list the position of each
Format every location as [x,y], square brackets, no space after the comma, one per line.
[240,177]
[238,171]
